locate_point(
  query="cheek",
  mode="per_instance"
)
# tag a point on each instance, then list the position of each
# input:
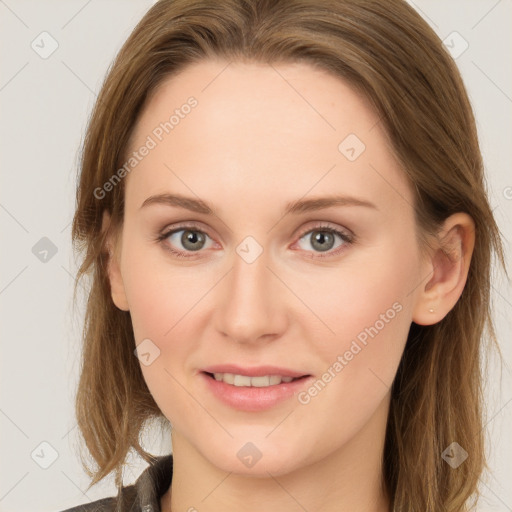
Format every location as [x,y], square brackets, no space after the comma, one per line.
[158,294]
[163,310]
[159,301]
[367,306]
[369,294]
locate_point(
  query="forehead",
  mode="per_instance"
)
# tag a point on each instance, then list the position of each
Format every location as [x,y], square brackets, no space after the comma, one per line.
[264,100]
[256,130]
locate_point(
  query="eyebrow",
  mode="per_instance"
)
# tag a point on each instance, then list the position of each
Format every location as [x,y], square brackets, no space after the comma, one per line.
[294,207]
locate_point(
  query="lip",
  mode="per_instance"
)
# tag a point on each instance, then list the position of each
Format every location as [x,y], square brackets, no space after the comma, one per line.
[253,399]
[255,371]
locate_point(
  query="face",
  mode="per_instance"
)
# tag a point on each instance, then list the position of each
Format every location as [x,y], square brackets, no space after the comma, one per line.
[270,282]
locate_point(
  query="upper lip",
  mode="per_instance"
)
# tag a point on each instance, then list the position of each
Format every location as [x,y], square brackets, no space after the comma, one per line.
[254,371]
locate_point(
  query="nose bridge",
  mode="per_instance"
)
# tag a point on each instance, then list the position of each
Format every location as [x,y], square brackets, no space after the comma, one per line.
[249,308]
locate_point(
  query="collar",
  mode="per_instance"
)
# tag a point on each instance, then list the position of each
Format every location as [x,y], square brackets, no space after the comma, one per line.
[152,484]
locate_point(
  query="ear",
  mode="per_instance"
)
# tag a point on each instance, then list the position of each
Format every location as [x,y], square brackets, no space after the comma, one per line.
[448,267]
[113,266]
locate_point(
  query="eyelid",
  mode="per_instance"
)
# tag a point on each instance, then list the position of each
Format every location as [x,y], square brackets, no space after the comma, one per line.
[171,229]
[192,225]
[327,226]
[299,234]
[345,234]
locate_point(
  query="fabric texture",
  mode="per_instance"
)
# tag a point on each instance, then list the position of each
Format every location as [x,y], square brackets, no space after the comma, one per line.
[142,496]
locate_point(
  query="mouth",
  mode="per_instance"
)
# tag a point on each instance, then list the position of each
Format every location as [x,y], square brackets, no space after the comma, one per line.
[262,381]
[252,389]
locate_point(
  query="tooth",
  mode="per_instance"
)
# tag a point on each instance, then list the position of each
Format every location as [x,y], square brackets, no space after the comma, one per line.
[260,382]
[275,379]
[240,380]
[229,378]
[246,381]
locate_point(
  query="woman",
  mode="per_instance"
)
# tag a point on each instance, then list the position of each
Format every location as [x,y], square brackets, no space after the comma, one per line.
[283,212]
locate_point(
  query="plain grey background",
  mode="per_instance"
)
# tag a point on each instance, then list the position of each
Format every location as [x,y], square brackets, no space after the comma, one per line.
[54,55]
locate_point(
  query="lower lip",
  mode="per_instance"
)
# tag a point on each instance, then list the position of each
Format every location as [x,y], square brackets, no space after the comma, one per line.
[253,399]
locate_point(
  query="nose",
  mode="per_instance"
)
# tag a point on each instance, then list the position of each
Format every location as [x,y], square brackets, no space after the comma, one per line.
[251,302]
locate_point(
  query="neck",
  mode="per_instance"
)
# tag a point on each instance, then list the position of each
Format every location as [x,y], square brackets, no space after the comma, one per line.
[347,480]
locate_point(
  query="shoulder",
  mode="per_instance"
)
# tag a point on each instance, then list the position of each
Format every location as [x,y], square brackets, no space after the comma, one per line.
[143,496]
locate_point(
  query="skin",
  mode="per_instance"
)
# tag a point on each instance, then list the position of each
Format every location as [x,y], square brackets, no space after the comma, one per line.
[260,137]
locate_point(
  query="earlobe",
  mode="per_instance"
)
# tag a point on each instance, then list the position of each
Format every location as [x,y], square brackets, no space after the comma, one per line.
[448,269]
[113,267]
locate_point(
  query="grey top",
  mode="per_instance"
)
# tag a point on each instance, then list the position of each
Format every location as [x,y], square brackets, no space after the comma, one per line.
[142,496]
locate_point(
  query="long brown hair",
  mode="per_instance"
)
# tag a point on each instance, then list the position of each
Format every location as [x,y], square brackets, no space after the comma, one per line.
[387,51]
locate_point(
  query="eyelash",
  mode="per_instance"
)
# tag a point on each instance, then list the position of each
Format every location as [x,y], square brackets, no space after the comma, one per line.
[348,239]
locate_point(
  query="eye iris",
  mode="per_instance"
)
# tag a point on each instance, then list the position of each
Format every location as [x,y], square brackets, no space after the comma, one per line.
[323,238]
[192,237]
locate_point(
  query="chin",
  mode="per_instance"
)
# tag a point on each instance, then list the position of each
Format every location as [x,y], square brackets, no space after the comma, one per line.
[256,459]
